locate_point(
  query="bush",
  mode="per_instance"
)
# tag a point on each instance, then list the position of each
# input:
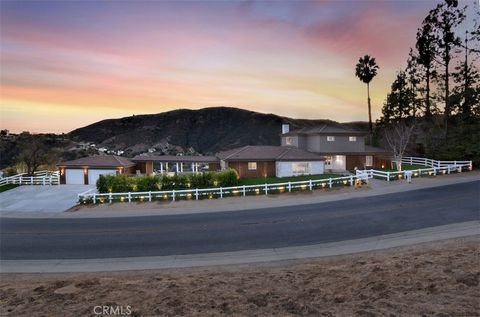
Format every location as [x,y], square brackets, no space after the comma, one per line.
[115,184]
[227,178]
[147,183]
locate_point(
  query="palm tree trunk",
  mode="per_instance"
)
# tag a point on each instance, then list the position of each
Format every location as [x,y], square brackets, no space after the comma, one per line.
[370,126]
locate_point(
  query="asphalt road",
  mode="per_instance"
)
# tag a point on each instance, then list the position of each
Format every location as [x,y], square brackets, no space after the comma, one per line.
[33,239]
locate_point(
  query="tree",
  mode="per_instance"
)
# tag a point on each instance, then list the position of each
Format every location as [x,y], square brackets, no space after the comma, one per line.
[33,152]
[426,49]
[366,70]
[397,137]
[400,103]
[444,19]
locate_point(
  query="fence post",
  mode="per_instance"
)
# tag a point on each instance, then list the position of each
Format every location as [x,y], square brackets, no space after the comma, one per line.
[110,198]
[31,180]
[94,198]
[310,184]
[243,190]
[221,192]
[289,187]
[196,193]
[330,182]
[266,189]
[388,176]
[150,196]
[43,179]
[455,164]
[411,160]
[434,171]
[129,197]
[173,194]
[351,180]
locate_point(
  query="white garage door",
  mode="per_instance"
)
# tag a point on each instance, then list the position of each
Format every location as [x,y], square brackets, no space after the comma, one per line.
[74,176]
[93,175]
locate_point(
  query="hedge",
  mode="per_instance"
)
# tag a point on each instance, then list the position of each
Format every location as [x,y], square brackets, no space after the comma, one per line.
[124,183]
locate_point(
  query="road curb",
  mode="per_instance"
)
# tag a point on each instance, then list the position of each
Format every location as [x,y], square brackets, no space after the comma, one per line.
[458,230]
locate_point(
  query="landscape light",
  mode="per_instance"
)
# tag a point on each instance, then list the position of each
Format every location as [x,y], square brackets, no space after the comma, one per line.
[189,195]
[416,174]
[303,186]
[324,184]
[257,190]
[345,182]
[122,199]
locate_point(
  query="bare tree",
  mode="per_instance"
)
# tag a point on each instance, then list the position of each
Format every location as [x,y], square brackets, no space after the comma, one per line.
[33,152]
[397,137]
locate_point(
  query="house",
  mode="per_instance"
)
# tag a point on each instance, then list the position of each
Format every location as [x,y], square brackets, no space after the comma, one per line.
[343,149]
[270,161]
[87,170]
[159,164]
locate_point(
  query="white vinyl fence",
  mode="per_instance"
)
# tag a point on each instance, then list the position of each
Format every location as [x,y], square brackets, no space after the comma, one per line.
[39,178]
[91,196]
[432,168]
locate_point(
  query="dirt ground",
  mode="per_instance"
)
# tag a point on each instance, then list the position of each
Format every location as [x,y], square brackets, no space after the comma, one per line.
[434,279]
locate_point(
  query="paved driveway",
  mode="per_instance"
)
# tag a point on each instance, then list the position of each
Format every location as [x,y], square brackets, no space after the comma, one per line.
[40,198]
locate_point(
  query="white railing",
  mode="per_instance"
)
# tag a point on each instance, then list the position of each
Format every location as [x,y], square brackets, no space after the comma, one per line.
[433,168]
[434,163]
[219,192]
[38,178]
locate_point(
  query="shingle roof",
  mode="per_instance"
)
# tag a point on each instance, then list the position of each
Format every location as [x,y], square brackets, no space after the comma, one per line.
[267,152]
[326,129]
[175,158]
[99,161]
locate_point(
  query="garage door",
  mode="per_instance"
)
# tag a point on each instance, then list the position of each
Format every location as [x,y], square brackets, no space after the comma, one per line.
[93,175]
[74,177]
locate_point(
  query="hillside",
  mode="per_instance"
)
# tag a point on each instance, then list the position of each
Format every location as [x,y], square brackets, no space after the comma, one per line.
[191,131]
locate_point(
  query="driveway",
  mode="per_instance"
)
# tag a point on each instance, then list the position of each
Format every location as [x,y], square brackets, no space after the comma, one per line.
[40,198]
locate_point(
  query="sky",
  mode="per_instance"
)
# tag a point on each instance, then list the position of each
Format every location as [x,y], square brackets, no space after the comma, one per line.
[66,64]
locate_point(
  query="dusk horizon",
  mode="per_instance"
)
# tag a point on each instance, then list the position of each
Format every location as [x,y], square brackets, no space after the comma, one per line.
[78,63]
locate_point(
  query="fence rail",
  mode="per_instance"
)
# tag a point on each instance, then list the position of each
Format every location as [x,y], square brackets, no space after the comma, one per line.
[433,168]
[219,192]
[38,178]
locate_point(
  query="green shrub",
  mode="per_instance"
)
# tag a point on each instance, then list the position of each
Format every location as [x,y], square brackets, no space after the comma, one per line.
[147,183]
[227,178]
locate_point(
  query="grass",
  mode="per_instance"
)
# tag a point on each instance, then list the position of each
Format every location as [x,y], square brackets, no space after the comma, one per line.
[6,187]
[272,180]
[405,167]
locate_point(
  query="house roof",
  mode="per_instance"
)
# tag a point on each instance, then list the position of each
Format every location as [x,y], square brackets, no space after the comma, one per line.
[99,161]
[268,153]
[325,129]
[175,158]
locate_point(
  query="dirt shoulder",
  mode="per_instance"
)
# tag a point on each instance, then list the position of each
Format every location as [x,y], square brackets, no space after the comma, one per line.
[432,279]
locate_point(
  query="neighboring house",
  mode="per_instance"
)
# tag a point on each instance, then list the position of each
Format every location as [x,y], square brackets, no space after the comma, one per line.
[271,161]
[87,170]
[342,148]
[148,164]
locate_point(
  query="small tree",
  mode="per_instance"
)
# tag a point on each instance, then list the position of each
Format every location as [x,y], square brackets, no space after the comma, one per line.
[33,152]
[397,137]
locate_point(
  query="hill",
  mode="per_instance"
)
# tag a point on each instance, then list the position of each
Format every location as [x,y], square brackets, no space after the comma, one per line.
[203,131]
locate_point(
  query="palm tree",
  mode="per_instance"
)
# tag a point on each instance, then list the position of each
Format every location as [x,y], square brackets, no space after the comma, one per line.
[365,70]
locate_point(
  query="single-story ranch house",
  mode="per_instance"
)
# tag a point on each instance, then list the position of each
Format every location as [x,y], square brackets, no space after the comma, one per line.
[307,151]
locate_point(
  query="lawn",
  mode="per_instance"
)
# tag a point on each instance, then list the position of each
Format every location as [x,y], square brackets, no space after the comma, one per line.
[405,167]
[6,187]
[272,180]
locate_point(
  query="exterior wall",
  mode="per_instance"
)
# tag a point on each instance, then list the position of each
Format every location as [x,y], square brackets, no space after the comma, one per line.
[264,169]
[213,167]
[144,167]
[319,143]
[284,169]
[298,141]
[357,161]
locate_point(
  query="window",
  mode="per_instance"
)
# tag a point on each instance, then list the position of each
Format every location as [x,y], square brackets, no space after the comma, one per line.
[368,160]
[288,140]
[328,160]
[252,166]
[352,138]
[330,138]
[300,168]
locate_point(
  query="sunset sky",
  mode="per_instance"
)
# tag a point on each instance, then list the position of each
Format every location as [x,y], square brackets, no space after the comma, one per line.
[68,64]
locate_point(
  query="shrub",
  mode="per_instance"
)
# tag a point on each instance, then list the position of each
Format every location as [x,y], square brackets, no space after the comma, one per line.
[227,178]
[147,183]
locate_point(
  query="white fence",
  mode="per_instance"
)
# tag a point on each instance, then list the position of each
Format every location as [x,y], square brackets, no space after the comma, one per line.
[39,178]
[433,168]
[220,192]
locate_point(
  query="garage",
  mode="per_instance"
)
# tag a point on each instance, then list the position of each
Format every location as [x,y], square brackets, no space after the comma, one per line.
[87,170]
[74,177]
[94,174]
